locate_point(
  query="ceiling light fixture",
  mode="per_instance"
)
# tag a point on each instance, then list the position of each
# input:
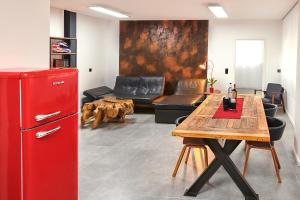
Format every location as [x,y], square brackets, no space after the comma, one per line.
[218,11]
[108,11]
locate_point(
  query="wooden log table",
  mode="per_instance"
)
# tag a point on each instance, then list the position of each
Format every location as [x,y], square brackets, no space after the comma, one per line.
[104,110]
[251,126]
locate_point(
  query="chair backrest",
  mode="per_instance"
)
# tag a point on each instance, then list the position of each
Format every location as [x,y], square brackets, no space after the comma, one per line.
[151,85]
[276,128]
[270,109]
[179,120]
[191,86]
[274,88]
[126,85]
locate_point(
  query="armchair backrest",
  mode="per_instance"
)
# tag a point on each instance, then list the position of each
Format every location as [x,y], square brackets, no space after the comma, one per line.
[126,85]
[276,128]
[191,86]
[151,85]
[276,90]
[144,85]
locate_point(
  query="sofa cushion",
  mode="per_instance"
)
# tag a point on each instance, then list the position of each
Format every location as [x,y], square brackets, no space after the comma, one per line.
[152,85]
[126,85]
[139,99]
[179,102]
[144,99]
[191,86]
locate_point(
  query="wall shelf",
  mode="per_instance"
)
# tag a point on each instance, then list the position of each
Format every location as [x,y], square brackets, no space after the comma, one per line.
[63,59]
[63,53]
[62,38]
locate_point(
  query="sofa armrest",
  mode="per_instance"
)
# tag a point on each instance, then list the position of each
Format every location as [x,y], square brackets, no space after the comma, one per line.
[97,93]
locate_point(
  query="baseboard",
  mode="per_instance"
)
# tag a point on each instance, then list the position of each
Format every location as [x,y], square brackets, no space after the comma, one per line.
[297,158]
[290,118]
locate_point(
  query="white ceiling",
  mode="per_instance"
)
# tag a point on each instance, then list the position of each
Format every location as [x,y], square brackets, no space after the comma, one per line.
[182,9]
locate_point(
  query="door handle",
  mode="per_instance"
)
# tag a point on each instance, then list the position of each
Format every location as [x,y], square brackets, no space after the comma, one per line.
[42,134]
[46,116]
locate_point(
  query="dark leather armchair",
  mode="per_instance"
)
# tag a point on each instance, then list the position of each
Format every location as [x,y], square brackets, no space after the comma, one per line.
[274,94]
[188,94]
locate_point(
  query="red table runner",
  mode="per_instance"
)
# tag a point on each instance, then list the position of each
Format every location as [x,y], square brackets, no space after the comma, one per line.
[230,114]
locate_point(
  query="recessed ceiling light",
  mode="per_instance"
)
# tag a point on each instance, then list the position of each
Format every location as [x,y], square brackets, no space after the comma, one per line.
[108,11]
[218,11]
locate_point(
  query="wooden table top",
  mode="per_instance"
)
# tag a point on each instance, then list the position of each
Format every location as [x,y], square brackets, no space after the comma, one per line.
[252,126]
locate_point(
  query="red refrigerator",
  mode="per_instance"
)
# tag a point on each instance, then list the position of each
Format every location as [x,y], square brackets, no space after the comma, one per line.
[38,134]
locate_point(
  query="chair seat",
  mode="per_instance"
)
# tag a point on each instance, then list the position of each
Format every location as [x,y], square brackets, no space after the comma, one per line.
[193,141]
[260,144]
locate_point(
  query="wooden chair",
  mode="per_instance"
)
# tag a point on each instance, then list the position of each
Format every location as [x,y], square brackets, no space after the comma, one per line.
[270,111]
[189,143]
[274,95]
[276,129]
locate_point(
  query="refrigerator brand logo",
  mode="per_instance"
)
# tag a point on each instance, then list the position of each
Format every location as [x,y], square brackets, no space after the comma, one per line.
[58,83]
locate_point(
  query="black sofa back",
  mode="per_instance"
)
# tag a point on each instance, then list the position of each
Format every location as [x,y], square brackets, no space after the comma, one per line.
[136,86]
[191,86]
[126,85]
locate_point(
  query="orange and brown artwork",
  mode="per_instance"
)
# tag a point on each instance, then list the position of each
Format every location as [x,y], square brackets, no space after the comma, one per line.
[173,49]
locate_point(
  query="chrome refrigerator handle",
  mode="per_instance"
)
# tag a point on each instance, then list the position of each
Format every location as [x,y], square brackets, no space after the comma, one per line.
[42,134]
[46,116]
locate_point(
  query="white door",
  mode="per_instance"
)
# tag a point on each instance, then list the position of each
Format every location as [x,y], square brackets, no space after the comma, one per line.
[249,63]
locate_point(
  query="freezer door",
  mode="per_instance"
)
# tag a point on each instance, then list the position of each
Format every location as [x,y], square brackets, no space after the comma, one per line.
[50,161]
[48,95]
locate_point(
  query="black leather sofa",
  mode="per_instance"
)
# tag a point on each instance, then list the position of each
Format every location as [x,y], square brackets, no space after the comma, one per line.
[188,95]
[142,90]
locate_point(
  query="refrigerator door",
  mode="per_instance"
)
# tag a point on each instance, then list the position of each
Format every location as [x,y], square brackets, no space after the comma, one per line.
[50,169]
[48,95]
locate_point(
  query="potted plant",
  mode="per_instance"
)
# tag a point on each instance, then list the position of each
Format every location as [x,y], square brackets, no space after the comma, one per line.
[211,81]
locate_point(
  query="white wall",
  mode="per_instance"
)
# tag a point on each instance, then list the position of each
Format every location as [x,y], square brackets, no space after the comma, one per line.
[221,47]
[56,22]
[24,40]
[291,71]
[289,59]
[97,48]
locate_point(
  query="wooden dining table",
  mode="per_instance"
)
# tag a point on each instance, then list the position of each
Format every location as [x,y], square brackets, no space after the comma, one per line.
[251,126]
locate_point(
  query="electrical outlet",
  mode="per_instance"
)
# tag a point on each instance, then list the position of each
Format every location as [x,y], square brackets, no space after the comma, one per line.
[90,69]
[226,70]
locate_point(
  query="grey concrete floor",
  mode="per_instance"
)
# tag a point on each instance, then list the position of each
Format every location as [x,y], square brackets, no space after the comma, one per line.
[135,160]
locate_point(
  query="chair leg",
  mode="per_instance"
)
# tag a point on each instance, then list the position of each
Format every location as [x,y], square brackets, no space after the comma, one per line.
[276,156]
[246,159]
[179,161]
[283,103]
[188,154]
[276,164]
[205,156]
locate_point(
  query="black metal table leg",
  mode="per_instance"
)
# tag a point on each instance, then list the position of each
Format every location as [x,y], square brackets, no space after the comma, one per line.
[208,172]
[222,158]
